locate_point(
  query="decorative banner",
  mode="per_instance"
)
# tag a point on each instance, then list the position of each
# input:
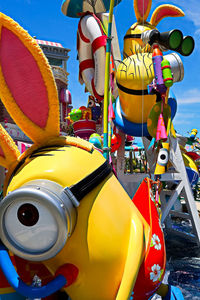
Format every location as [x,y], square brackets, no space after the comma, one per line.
[161,133]
[23,146]
[152,121]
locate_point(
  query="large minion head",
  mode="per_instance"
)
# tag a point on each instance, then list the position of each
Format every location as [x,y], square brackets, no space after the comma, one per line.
[39,194]
[62,206]
[59,201]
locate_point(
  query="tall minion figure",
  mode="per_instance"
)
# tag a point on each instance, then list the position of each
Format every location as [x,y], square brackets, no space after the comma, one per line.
[193,134]
[136,72]
[162,160]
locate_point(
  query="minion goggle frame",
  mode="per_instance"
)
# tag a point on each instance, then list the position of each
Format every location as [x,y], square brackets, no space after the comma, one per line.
[37,218]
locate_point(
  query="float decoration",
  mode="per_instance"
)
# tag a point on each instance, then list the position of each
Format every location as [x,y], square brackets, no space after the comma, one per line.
[96,67]
[158,120]
[160,86]
[75,115]
[136,98]
[111,116]
[75,10]
[75,204]
[84,119]
[163,158]
[40,121]
[115,142]
[193,137]
[96,140]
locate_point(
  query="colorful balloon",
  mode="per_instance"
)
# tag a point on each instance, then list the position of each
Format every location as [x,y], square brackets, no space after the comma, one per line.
[115,142]
[96,142]
[75,115]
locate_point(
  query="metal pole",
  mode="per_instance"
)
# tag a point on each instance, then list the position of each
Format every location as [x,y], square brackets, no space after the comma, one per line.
[107,81]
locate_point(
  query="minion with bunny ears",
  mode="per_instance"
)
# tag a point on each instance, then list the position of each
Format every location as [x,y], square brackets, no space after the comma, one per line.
[62,206]
[136,71]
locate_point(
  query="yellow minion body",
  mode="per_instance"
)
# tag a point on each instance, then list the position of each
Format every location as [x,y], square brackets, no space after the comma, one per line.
[162,160]
[134,74]
[108,241]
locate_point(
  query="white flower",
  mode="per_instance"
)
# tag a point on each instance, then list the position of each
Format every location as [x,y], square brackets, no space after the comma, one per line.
[155,242]
[156,273]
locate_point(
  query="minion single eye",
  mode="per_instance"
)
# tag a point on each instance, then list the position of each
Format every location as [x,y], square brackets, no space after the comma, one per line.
[30,222]
[28,215]
[163,157]
[36,220]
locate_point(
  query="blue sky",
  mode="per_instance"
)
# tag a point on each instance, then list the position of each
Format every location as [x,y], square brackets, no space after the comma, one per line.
[44,19]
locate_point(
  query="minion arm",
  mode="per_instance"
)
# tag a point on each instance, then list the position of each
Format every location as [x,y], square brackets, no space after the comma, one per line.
[134,259]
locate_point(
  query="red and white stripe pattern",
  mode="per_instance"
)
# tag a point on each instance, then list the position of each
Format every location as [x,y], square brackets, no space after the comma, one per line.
[23,146]
[40,42]
[68,97]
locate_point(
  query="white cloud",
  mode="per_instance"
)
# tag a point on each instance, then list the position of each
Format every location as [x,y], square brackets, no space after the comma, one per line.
[190,97]
[197,32]
[191,115]
[189,100]
[180,122]
[187,119]
[191,9]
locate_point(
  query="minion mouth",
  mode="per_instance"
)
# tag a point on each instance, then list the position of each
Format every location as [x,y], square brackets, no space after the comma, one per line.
[28,291]
[131,91]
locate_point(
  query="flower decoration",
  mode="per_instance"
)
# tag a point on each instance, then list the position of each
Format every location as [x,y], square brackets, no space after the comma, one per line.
[155,242]
[156,273]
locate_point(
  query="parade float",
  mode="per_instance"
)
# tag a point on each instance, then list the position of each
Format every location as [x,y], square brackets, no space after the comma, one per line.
[63,212]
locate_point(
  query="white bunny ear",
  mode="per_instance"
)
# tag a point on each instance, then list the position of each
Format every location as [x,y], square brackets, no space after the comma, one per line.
[9,152]
[142,9]
[27,86]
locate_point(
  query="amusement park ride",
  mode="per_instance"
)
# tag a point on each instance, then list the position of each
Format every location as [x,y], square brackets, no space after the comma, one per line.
[64,216]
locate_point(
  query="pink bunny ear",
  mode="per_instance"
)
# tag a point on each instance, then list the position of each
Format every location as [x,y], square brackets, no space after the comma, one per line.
[163,11]
[27,86]
[142,9]
[9,152]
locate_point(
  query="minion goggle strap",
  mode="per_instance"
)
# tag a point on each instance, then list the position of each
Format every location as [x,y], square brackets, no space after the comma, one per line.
[133,36]
[37,219]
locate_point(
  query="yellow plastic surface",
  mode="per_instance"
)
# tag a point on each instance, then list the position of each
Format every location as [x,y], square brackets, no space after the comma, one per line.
[108,242]
[159,170]
[133,45]
[189,162]
[135,73]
